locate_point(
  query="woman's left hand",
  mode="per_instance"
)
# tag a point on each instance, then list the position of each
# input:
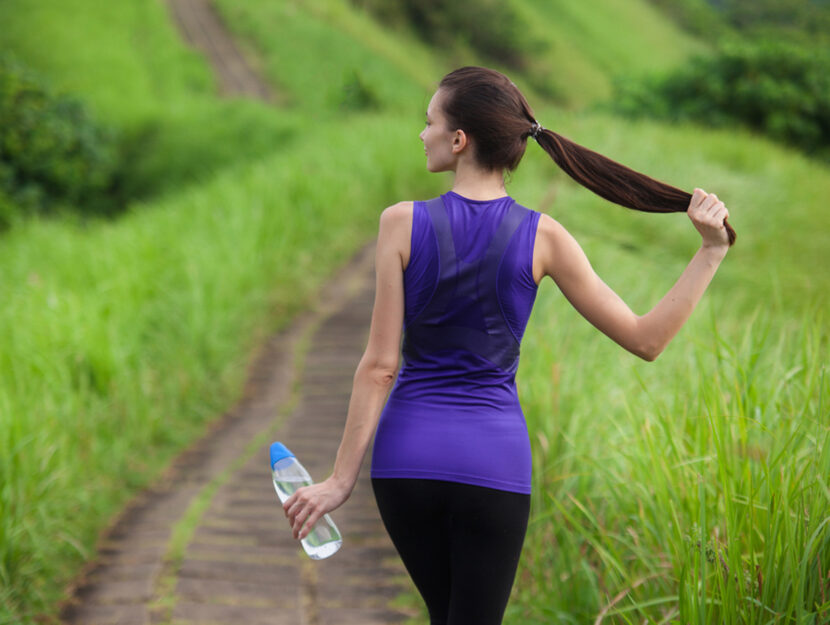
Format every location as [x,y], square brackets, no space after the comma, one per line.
[308,504]
[708,214]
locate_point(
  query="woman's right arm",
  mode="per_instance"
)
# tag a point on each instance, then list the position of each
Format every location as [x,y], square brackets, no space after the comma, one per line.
[373,378]
[558,255]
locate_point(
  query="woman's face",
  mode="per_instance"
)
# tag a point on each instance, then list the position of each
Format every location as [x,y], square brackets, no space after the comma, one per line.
[438,138]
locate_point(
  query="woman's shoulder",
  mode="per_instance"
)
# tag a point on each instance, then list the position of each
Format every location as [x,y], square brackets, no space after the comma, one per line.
[395,230]
[401,210]
[397,217]
[549,228]
[553,239]
[555,248]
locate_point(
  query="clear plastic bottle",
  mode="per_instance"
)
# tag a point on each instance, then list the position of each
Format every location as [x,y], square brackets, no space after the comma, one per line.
[288,476]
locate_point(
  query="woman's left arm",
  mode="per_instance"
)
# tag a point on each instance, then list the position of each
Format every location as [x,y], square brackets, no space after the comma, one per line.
[373,378]
[561,257]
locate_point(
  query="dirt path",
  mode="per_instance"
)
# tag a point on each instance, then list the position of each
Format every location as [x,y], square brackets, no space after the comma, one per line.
[209,543]
[201,26]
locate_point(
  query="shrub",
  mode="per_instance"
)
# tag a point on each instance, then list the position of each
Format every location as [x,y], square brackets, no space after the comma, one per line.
[52,153]
[493,28]
[779,88]
[358,94]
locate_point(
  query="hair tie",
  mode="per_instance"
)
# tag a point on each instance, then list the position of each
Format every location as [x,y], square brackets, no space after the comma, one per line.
[535,129]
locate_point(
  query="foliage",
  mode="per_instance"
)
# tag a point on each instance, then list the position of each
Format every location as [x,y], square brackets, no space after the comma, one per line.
[8,211]
[798,19]
[696,16]
[493,28]
[358,94]
[121,340]
[781,89]
[156,95]
[52,152]
[792,19]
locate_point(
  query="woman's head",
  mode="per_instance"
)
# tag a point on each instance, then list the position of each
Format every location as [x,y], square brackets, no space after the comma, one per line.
[491,110]
[495,116]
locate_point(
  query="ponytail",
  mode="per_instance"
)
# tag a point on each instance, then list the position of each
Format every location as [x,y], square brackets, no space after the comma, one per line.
[613,181]
[489,107]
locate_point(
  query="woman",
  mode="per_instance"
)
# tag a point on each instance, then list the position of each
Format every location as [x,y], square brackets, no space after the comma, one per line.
[451,458]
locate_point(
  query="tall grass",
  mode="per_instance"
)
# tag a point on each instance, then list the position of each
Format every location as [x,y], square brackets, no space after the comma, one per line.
[692,489]
[121,341]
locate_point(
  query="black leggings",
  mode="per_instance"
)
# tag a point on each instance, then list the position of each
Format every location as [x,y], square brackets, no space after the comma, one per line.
[460,543]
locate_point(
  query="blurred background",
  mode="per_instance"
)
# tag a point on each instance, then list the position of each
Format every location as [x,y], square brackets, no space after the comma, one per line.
[158,221]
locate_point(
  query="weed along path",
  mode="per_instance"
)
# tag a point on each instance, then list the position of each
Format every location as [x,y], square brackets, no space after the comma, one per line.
[209,543]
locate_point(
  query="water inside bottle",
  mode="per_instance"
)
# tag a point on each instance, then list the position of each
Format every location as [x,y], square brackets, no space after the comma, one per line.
[324,541]
[288,485]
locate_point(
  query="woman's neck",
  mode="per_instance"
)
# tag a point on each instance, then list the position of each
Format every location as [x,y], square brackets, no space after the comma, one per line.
[477,184]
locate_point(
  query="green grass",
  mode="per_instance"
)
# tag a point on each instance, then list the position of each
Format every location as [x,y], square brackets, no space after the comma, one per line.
[164,597]
[127,62]
[345,44]
[679,484]
[121,341]
[586,45]
[126,58]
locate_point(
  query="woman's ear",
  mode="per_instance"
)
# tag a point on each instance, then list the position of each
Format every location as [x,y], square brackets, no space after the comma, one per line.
[459,141]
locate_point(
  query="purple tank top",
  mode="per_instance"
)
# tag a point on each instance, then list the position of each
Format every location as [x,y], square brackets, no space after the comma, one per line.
[454,413]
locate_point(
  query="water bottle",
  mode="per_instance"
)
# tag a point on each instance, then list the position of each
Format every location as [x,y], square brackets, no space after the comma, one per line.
[289,475]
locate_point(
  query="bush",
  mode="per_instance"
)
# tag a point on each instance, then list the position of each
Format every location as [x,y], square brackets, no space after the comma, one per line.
[492,28]
[358,94]
[779,88]
[8,211]
[697,17]
[52,153]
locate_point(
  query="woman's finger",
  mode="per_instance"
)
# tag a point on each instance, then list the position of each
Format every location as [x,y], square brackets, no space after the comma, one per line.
[710,201]
[304,526]
[719,213]
[286,505]
[715,207]
[298,523]
[703,205]
[697,197]
[293,498]
[294,510]
[309,525]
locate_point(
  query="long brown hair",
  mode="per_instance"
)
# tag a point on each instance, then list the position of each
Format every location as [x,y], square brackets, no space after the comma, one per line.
[489,107]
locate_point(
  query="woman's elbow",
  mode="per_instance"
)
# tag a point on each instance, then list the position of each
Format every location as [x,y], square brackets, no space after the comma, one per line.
[648,356]
[644,343]
[378,370]
[384,376]
[648,351]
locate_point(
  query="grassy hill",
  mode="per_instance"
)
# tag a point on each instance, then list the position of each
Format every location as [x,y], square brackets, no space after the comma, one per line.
[578,50]
[108,325]
[588,45]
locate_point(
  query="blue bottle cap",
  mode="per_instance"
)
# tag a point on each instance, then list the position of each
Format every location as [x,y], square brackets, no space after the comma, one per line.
[278,452]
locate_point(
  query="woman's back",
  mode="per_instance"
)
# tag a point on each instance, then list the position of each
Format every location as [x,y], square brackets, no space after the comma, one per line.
[454,413]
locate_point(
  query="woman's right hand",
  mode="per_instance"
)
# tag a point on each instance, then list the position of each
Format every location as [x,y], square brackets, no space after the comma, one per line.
[708,213]
[308,504]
